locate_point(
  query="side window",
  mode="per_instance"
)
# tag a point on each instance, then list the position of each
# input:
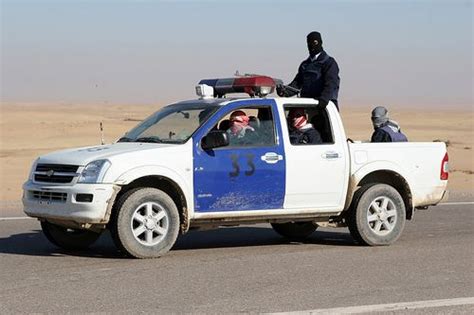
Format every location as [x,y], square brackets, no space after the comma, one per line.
[308,125]
[249,126]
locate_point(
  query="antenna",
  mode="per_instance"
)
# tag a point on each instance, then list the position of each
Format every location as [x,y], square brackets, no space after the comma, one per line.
[101,134]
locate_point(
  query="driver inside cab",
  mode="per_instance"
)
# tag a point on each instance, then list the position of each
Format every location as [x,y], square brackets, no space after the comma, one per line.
[240,131]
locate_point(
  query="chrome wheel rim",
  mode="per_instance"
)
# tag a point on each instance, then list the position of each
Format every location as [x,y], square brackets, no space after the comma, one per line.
[382,215]
[149,223]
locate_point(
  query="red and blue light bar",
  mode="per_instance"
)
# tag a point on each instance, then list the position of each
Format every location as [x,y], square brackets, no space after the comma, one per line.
[253,85]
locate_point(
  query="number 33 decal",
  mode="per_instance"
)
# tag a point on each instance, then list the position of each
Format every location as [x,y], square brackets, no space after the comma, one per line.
[236,168]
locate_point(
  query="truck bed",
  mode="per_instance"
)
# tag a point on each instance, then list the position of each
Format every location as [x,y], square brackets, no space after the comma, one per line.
[418,162]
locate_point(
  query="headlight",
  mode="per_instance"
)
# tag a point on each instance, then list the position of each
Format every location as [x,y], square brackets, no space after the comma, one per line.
[33,169]
[94,172]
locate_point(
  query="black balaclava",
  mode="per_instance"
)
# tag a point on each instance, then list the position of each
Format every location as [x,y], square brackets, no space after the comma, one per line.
[315,43]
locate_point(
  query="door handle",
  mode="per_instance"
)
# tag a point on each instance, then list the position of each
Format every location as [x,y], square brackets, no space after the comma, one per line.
[271,157]
[331,155]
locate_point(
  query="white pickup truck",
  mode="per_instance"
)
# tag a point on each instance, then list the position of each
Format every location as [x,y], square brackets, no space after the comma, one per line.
[179,170]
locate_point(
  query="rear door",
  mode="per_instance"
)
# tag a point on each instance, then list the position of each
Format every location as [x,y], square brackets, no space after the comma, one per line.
[239,177]
[317,174]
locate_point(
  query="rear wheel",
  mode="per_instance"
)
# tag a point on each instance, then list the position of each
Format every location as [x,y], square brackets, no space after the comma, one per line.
[67,238]
[295,230]
[146,224]
[377,216]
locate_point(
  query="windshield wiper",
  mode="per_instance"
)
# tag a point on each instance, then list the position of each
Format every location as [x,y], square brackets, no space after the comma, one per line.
[148,139]
[175,141]
[124,139]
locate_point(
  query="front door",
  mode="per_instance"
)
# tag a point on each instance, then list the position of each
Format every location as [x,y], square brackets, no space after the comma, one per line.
[249,174]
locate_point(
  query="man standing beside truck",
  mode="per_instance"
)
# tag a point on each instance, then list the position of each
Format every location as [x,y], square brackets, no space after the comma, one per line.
[318,75]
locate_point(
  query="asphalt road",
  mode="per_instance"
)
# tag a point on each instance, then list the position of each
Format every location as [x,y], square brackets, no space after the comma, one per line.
[244,269]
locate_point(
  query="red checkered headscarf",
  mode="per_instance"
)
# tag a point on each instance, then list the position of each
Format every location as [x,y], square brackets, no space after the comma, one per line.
[239,120]
[297,117]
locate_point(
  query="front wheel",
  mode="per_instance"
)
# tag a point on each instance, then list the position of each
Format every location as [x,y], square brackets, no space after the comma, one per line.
[377,216]
[295,230]
[147,223]
[66,238]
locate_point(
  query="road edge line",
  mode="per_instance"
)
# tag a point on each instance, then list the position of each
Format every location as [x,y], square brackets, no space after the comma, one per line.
[388,307]
[15,218]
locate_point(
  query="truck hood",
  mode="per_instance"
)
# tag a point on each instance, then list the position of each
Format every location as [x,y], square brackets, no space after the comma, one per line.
[85,155]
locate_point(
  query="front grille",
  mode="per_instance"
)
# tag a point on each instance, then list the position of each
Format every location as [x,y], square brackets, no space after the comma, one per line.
[55,173]
[48,195]
[65,168]
[53,179]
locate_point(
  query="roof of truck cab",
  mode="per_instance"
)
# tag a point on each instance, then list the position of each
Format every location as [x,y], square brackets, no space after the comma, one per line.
[224,101]
[215,101]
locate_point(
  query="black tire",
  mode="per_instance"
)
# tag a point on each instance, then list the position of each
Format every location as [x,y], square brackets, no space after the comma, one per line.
[66,238]
[124,223]
[295,230]
[370,222]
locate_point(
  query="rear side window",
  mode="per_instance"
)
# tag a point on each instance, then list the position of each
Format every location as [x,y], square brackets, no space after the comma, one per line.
[318,118]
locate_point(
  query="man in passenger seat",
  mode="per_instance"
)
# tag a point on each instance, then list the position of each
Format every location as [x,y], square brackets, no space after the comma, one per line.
[302,132]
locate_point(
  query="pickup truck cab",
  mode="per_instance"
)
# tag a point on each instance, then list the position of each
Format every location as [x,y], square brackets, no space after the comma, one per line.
[180,169]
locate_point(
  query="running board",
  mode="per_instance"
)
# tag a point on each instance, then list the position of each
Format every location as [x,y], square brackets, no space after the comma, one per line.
[274,218]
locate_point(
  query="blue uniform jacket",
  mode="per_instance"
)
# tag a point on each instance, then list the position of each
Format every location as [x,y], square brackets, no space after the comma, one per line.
[387,134]
[318,79]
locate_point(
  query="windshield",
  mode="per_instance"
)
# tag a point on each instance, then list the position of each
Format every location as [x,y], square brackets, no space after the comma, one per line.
[172,124]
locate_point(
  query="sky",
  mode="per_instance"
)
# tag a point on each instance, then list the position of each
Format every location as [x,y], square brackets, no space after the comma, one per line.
[406,53]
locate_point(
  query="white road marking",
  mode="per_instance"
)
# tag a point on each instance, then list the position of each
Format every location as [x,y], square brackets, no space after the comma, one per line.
[15,218]
[462,203]
[388,307]
[457,203]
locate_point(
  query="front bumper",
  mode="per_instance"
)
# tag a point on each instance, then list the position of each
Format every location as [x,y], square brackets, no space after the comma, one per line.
[58,202]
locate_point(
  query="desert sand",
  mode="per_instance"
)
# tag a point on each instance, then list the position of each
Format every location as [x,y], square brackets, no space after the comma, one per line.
[30,130]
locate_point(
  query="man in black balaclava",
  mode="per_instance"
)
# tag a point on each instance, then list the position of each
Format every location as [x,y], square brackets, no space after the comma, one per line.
[318,76]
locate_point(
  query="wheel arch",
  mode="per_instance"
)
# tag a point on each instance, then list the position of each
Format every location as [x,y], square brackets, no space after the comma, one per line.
[166,184]
[391,178]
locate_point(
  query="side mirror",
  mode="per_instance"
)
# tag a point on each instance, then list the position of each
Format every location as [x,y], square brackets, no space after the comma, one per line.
[215,139]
